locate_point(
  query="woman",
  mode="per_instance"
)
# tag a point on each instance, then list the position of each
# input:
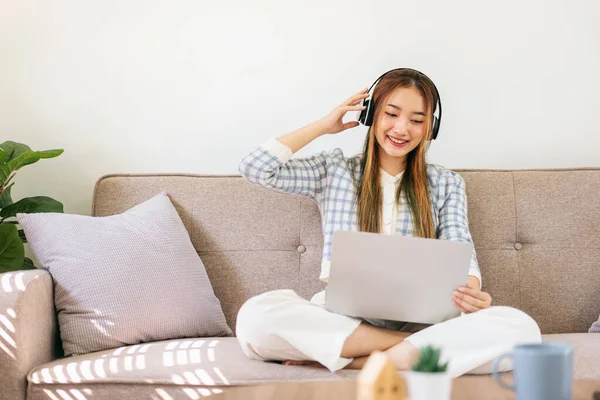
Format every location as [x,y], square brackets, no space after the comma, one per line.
[388,189]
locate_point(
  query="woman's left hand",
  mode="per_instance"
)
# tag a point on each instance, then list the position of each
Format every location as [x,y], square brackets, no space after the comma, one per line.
[470,298]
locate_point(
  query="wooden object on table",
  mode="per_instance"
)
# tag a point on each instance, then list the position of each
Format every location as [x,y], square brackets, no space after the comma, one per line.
[379,380]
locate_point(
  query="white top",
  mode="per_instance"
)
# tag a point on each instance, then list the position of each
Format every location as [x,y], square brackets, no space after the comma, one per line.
[389,198]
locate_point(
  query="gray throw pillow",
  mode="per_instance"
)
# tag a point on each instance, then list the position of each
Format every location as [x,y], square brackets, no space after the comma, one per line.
[595,328]
[124,279]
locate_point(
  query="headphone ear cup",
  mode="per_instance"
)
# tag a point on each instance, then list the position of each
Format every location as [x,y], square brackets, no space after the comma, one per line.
[363,117]
[436,127]
[370,116]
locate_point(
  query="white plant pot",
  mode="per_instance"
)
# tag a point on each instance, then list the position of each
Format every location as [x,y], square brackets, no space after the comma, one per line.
[428,385]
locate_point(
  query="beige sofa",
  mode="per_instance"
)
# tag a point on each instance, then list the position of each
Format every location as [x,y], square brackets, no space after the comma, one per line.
[537,235]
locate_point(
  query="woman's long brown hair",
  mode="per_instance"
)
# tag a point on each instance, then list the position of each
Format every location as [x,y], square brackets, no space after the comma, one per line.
[414,182]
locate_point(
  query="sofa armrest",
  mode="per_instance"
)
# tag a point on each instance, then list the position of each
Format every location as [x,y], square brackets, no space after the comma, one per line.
[28,328]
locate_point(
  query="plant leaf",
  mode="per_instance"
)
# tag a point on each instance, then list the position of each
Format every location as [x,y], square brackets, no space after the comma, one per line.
[12,252]
[428,361]
[3,156]
[19,155]
[27,205]
[5,199]
[14,149]
[26,158]
[51,153]
[28,264]
[436,356]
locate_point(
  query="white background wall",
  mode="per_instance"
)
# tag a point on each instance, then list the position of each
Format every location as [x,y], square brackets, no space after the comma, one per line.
[192,85]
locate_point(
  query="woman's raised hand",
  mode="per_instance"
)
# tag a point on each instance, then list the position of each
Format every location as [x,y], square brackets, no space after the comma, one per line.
[332,122]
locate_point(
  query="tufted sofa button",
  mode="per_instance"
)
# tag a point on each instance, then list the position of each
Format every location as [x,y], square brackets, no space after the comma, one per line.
[518,246]
[301,248]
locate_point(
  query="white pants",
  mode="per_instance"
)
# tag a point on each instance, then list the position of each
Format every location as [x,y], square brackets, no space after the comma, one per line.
[280,325]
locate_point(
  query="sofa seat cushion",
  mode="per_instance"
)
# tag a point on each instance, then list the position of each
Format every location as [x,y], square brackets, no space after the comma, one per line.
[586,347]
[165,369]
[194,368]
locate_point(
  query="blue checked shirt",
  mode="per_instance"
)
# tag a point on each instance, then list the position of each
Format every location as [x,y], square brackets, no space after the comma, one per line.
[326,178]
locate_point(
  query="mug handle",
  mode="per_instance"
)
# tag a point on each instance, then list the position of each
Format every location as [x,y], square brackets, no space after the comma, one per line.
[495,365]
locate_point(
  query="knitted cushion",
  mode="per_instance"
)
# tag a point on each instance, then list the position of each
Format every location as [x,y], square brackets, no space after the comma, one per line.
[124,279]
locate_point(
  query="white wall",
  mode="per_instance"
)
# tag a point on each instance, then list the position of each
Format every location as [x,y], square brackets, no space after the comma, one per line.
[191,85]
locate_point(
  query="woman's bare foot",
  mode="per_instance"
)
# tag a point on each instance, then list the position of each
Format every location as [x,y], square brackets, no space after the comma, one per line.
[357,363]
[403,355]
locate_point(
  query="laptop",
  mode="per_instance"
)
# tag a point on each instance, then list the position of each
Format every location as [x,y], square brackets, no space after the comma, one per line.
[394,277]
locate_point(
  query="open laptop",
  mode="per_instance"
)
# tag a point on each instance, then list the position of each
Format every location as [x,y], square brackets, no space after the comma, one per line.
[394,277]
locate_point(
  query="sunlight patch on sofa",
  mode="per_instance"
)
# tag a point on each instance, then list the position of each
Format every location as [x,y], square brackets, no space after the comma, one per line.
[102,323]
[220,375]
[99,368]
[72,394]
[8,343]
[186,344]
[86,370]
[192,394]
[200,392]
[211,355]
[184,353]
[191,378]
[90,370]
[133,349]
[59,374]
[10,283]
[140,362]
[72,373]
[17,284]
[135,358]
[5,281]
[7,338]
[118,351]
[198,377]
[113,365]
[205,378]
[128,363]
[195,356]
[182,358]
[163,394]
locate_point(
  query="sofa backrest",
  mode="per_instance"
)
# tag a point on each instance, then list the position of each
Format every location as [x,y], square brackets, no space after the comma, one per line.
[536,234]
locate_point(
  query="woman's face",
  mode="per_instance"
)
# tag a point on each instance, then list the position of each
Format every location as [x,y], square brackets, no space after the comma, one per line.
[401,124]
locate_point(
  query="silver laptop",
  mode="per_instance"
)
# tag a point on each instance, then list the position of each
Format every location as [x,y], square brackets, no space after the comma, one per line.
[394,277]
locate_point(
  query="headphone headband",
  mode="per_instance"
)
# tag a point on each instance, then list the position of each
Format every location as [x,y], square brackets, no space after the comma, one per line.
[366,115]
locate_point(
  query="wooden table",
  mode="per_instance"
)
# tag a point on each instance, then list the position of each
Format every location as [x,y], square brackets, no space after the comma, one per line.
[463,388]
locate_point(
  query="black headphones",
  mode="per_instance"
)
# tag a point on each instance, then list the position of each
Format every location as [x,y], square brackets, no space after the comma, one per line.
[366,115]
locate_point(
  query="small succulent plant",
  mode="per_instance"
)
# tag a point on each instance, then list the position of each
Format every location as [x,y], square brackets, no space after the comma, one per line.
[429,361]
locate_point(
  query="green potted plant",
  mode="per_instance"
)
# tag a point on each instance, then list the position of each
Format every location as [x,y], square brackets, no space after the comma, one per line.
[13,157]
[428,379]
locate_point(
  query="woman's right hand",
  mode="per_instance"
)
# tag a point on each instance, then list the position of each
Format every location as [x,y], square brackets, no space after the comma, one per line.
[332,122]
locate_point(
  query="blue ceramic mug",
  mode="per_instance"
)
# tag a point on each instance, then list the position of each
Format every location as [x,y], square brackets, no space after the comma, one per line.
[541,371]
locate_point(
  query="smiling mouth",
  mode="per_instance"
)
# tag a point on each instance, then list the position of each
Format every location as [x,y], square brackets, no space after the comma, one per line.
[397,142]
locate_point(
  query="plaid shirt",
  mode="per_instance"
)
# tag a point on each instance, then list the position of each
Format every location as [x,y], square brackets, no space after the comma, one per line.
[326,178]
